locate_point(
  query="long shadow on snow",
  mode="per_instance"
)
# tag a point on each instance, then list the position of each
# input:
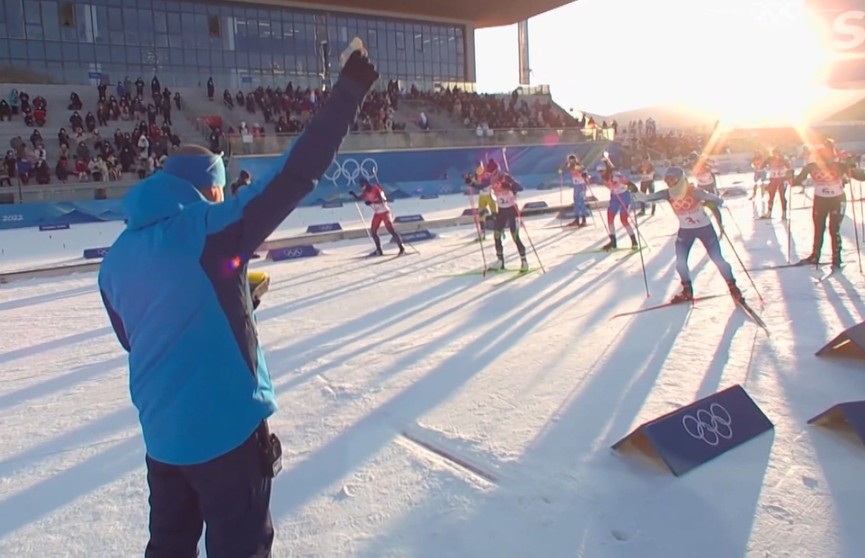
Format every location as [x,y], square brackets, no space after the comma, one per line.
[285,359]
[60,382]
[60,489]
[320,344]
[90,434]
[618,387]
[837,301]
[533,287]
[814,386]
[353,266]
[374,279]
[359,328]
[715,370]
[366,437]
[45,298]
[52,344]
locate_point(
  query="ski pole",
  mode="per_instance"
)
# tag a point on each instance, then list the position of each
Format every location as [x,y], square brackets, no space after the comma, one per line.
[642,261]
[528,236]
[856,227]
[478,228]
[789,196]
[741,263]
[363,223]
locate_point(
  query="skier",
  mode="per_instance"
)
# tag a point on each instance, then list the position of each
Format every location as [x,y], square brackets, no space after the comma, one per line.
[827,174]
[778,168]
[759,166]
[620,203]
[647,182]
[482,181]
[505,189]
[373,195]
[579,179]
[704,174]
[687,202]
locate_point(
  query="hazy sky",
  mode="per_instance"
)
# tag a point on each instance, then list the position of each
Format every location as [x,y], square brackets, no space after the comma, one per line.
[747,59]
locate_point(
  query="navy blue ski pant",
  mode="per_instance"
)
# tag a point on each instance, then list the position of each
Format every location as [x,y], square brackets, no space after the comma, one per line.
[229,494]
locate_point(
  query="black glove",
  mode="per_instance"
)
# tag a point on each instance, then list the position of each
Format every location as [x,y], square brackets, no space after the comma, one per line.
[368,202]
[360,69]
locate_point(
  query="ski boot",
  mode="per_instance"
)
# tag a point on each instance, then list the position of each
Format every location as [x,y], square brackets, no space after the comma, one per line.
[401,250]
[635,245]
[377,252]
[524,265]
[686,295]
[642,212]
[735,292]
[583,223]
[611,245]
[499,265]
[813,259]
[653,209]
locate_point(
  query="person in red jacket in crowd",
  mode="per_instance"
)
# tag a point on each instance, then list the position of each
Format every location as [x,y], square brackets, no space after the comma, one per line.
[373,195]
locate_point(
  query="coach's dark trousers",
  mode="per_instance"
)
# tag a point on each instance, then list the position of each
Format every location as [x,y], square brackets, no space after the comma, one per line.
[229,494]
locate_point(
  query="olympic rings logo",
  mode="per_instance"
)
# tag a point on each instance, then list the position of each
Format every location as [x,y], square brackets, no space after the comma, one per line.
[293,252]
[710,426]
[683,205]
[349,171]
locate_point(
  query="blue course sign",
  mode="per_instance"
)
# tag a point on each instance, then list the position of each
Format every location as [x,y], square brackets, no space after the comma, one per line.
[95,253]
[323,228]
[415,236]
[292,253]
[693,435]
[408,219]
[331,204]
[535,205]
[56,227]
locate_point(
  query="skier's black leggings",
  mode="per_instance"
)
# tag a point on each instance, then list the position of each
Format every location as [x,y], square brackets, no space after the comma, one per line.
[834,209]
[507,217]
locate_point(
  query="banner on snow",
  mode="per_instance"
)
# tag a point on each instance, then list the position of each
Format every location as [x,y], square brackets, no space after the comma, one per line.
[697,433]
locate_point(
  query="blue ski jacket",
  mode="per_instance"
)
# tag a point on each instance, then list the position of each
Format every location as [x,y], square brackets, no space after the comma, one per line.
[175,287]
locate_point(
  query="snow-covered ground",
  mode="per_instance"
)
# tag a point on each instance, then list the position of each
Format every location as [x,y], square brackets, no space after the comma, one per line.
[528,382]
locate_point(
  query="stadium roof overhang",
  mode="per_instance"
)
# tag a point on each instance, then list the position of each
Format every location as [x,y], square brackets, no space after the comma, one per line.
[480,13]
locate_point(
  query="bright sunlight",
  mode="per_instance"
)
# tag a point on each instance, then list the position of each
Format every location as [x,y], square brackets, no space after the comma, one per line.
[744,61]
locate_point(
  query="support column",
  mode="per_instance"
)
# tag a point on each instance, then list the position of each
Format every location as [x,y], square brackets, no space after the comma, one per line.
[523,51]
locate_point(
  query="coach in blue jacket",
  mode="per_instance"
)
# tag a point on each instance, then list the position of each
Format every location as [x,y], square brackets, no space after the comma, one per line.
[175,287]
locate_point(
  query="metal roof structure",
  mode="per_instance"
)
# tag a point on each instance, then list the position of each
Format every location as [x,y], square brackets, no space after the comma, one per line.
[479,13]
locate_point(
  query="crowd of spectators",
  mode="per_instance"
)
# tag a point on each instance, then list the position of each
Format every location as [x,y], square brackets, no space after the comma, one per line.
[83,153]
[490,112]
[290,109]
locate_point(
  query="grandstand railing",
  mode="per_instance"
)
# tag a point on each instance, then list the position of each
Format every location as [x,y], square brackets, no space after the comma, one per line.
[392,141]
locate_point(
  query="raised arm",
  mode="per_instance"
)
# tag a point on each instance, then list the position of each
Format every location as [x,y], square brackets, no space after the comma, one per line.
[258,210]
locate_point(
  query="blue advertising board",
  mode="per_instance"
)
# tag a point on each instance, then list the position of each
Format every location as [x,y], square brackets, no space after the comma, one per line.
[292,253]
[323,228]
[429,173]
[425,174]
[408,219]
